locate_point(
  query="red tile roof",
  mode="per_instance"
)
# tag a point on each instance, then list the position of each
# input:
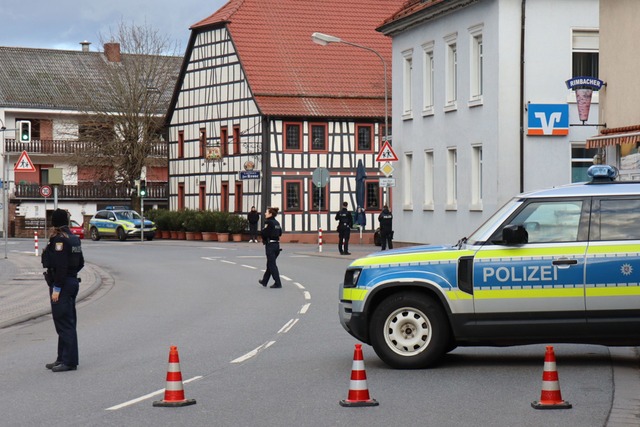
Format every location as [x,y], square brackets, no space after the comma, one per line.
[291,75]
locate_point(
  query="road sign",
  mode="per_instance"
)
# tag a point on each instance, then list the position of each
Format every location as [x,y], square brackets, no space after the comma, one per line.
[45,191]
[24,164]
[387,182]
[387,169]
[386,153]
[320,177]
[249,174]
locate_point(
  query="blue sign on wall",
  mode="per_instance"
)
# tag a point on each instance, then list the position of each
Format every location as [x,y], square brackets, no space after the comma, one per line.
[548,119]
[249,174]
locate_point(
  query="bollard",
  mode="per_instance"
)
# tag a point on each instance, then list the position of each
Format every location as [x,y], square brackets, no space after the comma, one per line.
[35,240]
[320,240]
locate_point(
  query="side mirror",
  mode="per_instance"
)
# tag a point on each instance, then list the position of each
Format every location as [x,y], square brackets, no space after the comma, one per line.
[514,234]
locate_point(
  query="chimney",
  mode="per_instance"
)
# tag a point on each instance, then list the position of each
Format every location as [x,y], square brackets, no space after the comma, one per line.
[85,46]
[112,52]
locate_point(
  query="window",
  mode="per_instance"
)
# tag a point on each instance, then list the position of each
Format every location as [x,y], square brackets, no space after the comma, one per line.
[372,196]
[451,75]
[180,196]
[476,178]
[452,179]
[293,196]
[477,65]
[236,139]
[427,79]
[318,198]
[619,219]
[202,196]
[237,206]
[364,136]
[407,184]
[407,68]
[586,44]
[224,141]
[224,196]
[428,180]
[180,144]
[203,142]
[383,133]
[550,221]
[581,159]
[292,137]
[318,135]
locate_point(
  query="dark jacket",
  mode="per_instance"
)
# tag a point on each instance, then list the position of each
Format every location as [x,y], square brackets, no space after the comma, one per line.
[253,217]
[271,230]
[344,218]
[63,256]
[386,221]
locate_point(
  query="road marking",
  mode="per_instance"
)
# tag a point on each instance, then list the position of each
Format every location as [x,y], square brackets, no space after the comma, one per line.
[217,248]
[250,256]
[253,352]
[287,327]
[299,256]
[298,285]
[227,262]
[285,278]
[307,295]
[210,258]
[250,266]
[147,396]
[304,308]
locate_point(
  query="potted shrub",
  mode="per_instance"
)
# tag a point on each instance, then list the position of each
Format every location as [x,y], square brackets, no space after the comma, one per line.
[176,225]
[222,226]
[237,224]
[191,222]
[161,218]
[207,221]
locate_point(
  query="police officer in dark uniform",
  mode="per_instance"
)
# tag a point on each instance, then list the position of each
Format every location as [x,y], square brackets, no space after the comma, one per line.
[63,260]
[271,240]
[386,227]
[345,223]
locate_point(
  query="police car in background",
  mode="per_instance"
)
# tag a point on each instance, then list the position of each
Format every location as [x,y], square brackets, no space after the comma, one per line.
[120,222]
[553,266]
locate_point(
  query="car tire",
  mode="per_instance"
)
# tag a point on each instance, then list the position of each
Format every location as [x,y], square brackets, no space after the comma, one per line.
[94,234]
[148,238]
[410,331]
[122,236]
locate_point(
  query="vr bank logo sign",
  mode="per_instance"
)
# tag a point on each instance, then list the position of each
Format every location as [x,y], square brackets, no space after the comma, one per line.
[548,119]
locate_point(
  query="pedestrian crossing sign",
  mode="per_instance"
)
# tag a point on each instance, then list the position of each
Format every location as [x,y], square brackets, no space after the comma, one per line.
[386,153]
[24,164]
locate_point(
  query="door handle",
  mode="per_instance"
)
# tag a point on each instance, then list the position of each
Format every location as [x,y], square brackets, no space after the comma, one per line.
[565,261]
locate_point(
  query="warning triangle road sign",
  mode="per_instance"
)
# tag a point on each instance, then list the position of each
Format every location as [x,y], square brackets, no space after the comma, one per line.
[386,153]
[24,164]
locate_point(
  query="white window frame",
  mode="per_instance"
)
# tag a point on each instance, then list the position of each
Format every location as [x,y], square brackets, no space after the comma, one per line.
[476,178]
[428,74]
[407,84]
[585,40]
[407,185]
[429,181]
[476,72]
[451,74]
[452,179]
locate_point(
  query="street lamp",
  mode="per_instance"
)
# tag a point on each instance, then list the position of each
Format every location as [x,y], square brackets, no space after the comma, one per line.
[325,39]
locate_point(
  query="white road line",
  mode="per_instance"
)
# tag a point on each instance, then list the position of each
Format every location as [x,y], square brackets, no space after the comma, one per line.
[304,308]
[217,248]
[307,295]
[285,278]
[298,285]
[287,327]
[299,256]
[146,396]
[227,262]
[253,352]
[250,256]
[249,266]
[210,258]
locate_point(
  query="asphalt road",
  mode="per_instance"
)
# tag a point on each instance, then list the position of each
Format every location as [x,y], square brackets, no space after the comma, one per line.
[255,356]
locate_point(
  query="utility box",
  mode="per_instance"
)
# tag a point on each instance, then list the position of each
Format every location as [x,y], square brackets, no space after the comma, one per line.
[55,176]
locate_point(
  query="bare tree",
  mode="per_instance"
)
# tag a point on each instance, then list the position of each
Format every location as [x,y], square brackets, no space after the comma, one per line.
[124,106]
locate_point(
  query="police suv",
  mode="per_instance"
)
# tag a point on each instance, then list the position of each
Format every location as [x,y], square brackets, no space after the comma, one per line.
[120,222]
[558,265]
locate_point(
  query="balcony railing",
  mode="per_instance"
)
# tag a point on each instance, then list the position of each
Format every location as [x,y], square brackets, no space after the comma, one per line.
[58,146]
[91,191]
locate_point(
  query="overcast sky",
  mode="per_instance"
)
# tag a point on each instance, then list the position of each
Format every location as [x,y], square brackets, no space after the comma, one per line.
[63,24]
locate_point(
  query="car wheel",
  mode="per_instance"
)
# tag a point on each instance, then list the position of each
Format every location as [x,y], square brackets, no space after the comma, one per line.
[149,238]
[122,236]
[94,234]
[409,331]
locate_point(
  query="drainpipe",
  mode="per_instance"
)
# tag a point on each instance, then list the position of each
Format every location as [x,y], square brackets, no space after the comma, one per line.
[266,167]
[522,112]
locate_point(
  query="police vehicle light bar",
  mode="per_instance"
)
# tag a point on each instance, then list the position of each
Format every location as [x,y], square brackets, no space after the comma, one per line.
[602,173]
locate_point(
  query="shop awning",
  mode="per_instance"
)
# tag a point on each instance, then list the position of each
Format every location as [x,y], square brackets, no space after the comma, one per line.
[615,136]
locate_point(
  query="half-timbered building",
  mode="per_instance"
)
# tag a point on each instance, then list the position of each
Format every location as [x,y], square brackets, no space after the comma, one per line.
[259,107]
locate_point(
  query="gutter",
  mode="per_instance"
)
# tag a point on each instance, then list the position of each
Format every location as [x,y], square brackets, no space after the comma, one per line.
[522,112]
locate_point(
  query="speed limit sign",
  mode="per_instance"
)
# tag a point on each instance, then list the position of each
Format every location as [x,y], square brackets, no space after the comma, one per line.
[45,191]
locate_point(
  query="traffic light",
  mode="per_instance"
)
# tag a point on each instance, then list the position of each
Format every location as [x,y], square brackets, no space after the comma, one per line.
[23,131]
[143,188]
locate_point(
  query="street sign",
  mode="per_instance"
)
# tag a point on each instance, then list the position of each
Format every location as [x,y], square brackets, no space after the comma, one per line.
[386,153]
[320,177]
[24,164]
[387,169]
[249,174]
[45,191]
[387,182]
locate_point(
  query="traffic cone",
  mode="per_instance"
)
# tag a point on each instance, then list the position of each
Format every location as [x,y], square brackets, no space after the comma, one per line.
[550,398]
[358,391]
[174,392]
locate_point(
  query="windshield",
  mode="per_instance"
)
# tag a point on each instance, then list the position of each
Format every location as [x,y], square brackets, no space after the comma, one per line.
[484,232]
[127,215]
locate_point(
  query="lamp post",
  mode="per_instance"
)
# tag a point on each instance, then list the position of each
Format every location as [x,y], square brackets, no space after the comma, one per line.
[325,39]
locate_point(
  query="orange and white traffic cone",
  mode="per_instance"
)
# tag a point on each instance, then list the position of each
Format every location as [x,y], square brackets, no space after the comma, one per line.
[174,392]
[358,391]
[550,398]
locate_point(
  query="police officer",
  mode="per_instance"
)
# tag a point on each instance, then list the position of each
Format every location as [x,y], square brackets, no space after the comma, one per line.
[63,260]
[386,227]
[271,240]
[345,223]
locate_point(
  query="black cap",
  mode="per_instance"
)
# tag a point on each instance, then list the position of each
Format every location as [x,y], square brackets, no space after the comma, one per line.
[59,218]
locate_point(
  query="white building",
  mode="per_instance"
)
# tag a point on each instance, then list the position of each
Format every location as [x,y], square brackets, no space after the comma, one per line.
[467,74]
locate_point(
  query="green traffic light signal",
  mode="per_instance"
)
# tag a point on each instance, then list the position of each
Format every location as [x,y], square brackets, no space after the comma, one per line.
[23,131]
[143,188]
